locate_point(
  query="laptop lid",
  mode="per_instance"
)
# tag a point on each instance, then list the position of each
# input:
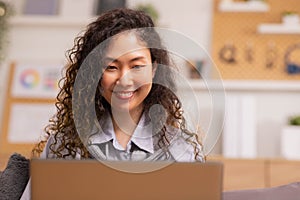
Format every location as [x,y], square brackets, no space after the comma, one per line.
[91,179]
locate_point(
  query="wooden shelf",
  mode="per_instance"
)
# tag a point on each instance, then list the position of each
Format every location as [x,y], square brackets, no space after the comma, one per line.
[278,29]
[249,6]
[241,85]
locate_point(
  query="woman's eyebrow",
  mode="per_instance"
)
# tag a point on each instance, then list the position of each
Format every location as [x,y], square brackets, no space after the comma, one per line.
[110,59]
[114,60]
[137,58]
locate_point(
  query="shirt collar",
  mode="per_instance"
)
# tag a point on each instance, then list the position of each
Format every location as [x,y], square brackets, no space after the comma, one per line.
[142,135]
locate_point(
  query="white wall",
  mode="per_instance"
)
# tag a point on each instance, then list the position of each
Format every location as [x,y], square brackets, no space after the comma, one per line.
[191,17]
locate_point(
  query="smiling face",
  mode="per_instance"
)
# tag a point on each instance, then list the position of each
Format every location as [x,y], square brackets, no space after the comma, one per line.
[127,78]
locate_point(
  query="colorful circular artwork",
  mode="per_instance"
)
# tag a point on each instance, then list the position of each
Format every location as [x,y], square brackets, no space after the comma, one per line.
[29,78]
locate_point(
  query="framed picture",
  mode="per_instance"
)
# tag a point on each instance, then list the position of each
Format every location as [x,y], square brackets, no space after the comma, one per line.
[28,106]
[195,69]
[105,5]
[40,7]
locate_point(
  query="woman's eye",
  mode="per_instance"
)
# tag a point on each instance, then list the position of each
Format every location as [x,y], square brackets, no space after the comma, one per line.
[111,67]
[138,66]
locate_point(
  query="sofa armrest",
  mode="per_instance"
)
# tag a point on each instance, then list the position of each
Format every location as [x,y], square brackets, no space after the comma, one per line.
[14,178]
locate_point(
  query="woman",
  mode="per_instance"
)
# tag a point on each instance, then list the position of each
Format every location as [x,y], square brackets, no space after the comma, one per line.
[137,114]
[117,101]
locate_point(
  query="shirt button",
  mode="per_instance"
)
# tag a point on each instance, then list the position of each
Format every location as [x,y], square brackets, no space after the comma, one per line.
[138,155]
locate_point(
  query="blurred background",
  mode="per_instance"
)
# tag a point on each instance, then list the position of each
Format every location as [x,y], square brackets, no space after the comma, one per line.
[252,46]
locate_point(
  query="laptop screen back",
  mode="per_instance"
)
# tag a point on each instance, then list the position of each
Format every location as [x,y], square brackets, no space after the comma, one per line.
[89,179]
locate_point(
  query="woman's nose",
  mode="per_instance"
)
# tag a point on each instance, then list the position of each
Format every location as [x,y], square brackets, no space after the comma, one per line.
[125,79]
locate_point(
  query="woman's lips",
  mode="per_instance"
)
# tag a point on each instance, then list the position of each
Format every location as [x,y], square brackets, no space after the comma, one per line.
[124,95]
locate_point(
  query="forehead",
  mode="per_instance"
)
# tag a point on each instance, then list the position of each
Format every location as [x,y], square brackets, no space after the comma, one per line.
[124,43]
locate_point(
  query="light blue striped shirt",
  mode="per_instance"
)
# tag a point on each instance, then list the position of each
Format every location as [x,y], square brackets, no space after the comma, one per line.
[103,145]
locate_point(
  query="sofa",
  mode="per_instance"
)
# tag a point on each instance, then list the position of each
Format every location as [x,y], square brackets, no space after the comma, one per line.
[285,192]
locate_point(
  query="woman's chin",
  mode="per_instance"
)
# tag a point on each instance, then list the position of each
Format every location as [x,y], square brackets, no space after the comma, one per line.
[120,108]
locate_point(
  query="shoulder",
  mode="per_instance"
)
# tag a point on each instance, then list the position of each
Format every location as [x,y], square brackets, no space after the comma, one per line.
[183,148]
[48,154]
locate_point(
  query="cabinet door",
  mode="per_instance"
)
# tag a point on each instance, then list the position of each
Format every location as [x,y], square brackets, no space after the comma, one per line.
[284,172]
[243,173]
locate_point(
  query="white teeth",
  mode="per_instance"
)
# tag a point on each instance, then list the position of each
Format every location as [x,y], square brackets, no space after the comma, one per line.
[124,94]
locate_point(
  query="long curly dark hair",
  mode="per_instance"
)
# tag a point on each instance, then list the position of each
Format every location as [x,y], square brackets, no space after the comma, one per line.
[67,142]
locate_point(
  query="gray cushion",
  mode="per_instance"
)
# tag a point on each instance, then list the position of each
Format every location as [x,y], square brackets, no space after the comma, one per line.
[285,192]
[14,178]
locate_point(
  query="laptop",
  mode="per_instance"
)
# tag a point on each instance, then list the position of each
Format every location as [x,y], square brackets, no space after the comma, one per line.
[91,179]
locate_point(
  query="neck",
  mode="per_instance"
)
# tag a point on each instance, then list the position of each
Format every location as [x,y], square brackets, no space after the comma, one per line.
[124,124]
